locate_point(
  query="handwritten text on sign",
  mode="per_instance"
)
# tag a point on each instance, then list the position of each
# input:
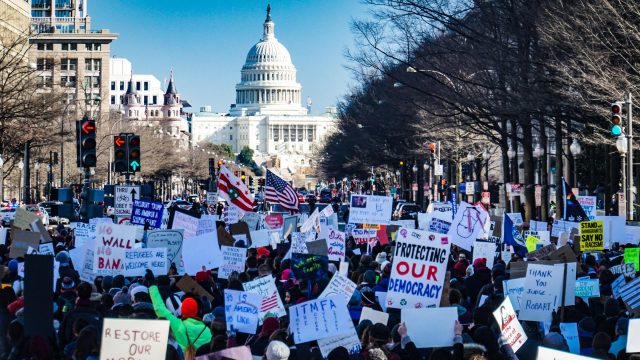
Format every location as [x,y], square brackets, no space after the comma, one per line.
[134,339]
[147,212]
[320,318]
[137,261]
[336,245]
[112,241]
[241,310]
[233,259]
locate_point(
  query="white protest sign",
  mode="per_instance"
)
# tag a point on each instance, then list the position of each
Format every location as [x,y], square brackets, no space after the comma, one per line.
[201,251]
[260,238]
[327,211]
[440,222]
[510,327]
[233,259]
[241,311]
[551,354]
[185,222]
[266,287]
[123,199]
[46,249]
[485,249]
[615,229]
[339,285]
[570,333]
[349,341]
[134,339]
[137,261]
[470,223]
[588,204]
[112,241]
[423,221]
[312,222]
[336,245]
[170,240]
[83,233]
[514,289]
[418,270]
[319,318]
[420,326]
[617,285]
[516,218]
[563,226]
[231,214]
[586,288]
[364,236]
[540,297]
[206,224]
[374,316]
[633,345]
[344,268]
[370,209]
[299,243]
[3,235]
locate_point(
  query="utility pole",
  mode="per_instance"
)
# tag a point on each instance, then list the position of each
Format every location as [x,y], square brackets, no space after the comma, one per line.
[630,188]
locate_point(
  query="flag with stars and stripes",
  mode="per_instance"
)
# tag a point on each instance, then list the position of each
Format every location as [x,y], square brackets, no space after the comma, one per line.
[276,190]
[234,191]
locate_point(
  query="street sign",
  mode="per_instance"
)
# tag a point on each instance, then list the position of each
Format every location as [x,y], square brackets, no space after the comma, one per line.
[414,187]
[470,188]
[486,197]
[538,195]
[123,200]
[438,170]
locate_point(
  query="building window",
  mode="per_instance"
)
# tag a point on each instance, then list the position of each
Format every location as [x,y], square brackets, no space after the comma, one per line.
[69,47]
[122,85]
[92,64]
[44,64]
[68,81]
[146,100]
[45,81]
[45,47]
[113,85]
[230,137]
[146,86]
[137,85]
[155,99]
[68,64]
[113,99]
[92,82]
[93,47]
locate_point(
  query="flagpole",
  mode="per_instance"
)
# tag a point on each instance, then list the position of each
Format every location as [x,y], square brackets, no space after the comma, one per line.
[564,201]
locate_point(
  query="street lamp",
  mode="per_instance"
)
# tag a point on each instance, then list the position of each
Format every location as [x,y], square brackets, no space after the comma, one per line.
[21,167]
[37,167]
[537,153]
[511,153]
[486,156]
[414,168]
[576,150]
[1,179]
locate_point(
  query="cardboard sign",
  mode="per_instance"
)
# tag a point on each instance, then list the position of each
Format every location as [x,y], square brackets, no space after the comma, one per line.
[633,345]
[186,222]
[309,267]
[201,251]
[233,259]
[319,318]
[420,325]
[241,311]
[370,209]
[83,233]
[170,240]
[632,256]
[22,240]
[134,338]
[339,285]
[485,249]
[23,219]
[551,354]
[271,303]
[336,245]
[374,316]
[591,235]
[123,198]
[38,295]
[470,223]
[418,270]
[137,261]
[150,212]
[349,341]
[318,247]
[509,325]
[540,299]
[112,241]
[364,236]
[188,285]
[587,288]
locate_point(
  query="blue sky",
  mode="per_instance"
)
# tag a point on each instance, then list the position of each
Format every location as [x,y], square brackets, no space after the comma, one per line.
[206,42]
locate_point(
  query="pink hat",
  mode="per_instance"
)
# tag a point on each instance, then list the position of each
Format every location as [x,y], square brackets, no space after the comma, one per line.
[286,274]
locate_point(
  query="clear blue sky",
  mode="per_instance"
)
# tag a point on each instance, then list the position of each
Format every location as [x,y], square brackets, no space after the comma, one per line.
[206,42]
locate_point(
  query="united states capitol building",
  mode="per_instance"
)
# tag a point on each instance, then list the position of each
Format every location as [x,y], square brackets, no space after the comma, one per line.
[268,115]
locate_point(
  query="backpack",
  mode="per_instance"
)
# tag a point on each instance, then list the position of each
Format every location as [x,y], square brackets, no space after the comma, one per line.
[190,351]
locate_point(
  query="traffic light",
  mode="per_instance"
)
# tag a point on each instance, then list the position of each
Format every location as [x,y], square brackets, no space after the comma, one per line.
[432,148]
[134,153]
[220,162]
[212,167]
[251,181]
[120,160]
[86,137]
[616,119]
[235,173]
[243,176]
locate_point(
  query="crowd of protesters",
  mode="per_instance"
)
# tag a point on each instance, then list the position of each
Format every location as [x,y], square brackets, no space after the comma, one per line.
[198,325]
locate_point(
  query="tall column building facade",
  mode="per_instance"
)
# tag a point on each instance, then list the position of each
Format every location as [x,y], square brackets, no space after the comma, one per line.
[14,20]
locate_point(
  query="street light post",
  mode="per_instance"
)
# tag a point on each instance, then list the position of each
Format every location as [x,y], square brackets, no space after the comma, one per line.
[37,167]
[1,179]
[511,154]
[621,146]
[576,150]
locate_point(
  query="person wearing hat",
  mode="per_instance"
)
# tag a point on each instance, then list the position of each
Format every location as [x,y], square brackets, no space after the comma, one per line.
[481,277]
[83,309]
[277,350]
[188,330]
[378,338]
[258,343]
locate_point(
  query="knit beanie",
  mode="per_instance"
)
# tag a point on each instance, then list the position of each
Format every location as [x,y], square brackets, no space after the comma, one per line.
[556,341]
[13,266]
[376,354]
[370,277]
[189,308]
[63,258]
[381,257]
[277,350]
[269,325]
[122,297]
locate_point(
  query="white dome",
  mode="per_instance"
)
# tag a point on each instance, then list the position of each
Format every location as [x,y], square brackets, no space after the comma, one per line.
[268,51]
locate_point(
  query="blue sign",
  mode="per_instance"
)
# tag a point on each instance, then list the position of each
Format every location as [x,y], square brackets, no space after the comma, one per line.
[147,212]
[454,203]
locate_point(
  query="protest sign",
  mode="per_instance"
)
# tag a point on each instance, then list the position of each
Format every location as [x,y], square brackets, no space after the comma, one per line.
[299,243]
[319,318]
[188,285]
[312,222]
[364,236]
[339,285]
[420,326]
[349,341]
[542,252]
[241,311]
[615,229]
[38,227]
[485,249]
[83,233]
[206,224]
[516,218]
[374,316]
[630,294]
[514,289]
[471,222]
[440,222]
[231,214]
[186,222]
[551,354]
[627,270]
[531,243]
[134,339]
[540,297]
[112,241]
[137,261]
[46,249]
[21,242]
[591,235]
[617,285]
[588,204]
[3,236]
[260,238]
[632,256]
[510,327]
[38,295]
[309,267]
[150,212]
[233,259]
[563,226]
[266,287]
[201,251]
[336,246]
[633,345]
[370,209]
[419,268]
[423,221]
[290,225]
[252,219]
[172,241]
[241,228]
[318,247]
[23,219]
[586,288]
[570,333]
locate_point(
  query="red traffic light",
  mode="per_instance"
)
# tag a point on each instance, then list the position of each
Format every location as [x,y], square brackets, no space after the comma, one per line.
[88,126]
[432,147]
[616,108]
[616,119]
[134,141]
[118,141]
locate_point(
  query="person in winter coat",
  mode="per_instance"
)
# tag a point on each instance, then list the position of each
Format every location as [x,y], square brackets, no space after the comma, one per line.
[189,330]
[481,277]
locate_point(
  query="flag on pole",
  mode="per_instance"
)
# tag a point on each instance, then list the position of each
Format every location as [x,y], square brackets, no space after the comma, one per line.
[573,211]
[233,190]
[511,236]
[276,190]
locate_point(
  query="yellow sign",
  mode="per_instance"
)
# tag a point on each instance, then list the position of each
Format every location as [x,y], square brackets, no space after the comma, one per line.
[371,226]
[531,243]
[591,235]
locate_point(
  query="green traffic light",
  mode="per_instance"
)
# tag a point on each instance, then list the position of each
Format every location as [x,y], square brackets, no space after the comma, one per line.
[616,130]
[135,165]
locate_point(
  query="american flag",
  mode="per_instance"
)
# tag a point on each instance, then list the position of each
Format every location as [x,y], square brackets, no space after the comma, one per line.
[279,191]
[269,302]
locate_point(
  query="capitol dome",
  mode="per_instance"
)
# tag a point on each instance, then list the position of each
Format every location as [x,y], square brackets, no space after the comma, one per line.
[268,79]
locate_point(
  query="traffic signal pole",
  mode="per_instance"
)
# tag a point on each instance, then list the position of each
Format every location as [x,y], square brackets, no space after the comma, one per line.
[630,188]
